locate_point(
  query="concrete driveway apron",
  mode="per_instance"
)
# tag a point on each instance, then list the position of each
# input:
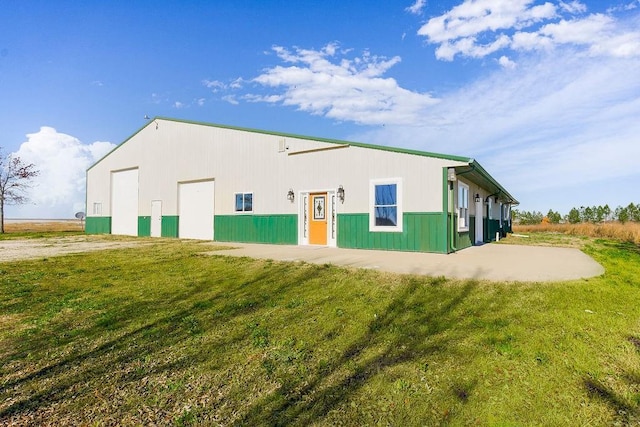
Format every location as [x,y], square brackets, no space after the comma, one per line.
[487,262]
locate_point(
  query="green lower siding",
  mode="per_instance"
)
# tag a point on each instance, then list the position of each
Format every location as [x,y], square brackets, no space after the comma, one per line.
[273,229]
[144,226]
[507,227]
[461,239]
[422,232]
[492,227]
[169,227]
[98,225]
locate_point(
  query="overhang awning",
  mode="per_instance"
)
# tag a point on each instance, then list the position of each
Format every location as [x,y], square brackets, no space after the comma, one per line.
[476,174]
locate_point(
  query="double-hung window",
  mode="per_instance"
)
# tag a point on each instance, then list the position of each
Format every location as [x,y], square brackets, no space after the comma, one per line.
[244,202]
[463,206]
[385,205]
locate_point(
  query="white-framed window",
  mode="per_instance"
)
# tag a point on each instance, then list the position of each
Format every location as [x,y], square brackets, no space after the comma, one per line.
[385,199]
[463,206]
[97,208]
[243,202]
[506,212]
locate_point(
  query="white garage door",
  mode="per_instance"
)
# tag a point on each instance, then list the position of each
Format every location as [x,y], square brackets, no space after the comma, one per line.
[196,210]
[124,202]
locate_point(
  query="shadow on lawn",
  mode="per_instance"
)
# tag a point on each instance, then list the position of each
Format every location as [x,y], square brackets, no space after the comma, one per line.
[119,363]
[129,341]
[626,411]
[418,329]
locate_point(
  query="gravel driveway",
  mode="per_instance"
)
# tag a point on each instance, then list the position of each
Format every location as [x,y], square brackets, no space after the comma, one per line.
[14,250]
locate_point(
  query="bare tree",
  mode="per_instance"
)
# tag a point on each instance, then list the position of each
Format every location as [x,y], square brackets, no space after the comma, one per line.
[15,179]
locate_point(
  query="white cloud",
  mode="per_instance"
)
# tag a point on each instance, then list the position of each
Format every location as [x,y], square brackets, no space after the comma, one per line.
[473,17]
[237,83]
[59,190]
[625,7]
[326,82]
[477,28]
[573,7]
[178,105]
[553,124]
[505,62]
[416,8]
[578,31]
[200,101]
[231,99]
[214,85]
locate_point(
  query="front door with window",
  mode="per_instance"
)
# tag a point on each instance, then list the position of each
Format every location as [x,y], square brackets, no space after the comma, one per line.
[318,218]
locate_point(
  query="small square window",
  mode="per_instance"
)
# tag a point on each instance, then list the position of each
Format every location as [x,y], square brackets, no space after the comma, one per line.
[244,202]
[97,208]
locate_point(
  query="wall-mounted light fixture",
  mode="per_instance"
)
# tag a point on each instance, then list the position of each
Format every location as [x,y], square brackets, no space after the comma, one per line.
[341,193]
[291,195]
[478,198]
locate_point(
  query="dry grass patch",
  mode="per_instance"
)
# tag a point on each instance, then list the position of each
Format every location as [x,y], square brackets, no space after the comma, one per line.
[43,226]
[627,232]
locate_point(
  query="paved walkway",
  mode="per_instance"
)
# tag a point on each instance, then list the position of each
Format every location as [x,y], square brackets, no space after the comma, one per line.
[488,262]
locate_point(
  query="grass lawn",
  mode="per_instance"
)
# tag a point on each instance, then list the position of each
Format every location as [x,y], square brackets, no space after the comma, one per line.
[162,334]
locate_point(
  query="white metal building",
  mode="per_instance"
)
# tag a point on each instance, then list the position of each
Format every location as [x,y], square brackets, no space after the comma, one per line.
[175,178]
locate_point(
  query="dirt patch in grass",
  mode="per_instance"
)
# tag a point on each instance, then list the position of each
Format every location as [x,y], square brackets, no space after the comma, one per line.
[22,249]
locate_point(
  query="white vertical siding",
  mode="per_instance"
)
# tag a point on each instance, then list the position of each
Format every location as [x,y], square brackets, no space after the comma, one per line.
[239,160]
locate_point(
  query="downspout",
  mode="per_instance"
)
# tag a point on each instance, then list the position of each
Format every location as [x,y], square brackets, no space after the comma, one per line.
[453,218]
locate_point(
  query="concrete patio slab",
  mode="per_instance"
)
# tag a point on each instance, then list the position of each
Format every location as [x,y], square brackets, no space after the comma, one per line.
[487,262]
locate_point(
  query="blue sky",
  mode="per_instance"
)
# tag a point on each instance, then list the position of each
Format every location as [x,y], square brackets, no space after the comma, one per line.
[544,94]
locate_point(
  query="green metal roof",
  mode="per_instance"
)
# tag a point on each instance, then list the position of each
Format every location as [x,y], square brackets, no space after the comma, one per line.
[477,172]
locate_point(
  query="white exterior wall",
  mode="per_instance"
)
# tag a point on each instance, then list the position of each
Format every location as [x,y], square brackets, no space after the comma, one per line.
[244,161]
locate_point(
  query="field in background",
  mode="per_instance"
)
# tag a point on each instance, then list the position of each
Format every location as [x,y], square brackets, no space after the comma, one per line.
[627,232]
[43,226]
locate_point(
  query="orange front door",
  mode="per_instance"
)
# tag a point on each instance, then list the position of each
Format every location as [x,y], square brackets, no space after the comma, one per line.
[318,223]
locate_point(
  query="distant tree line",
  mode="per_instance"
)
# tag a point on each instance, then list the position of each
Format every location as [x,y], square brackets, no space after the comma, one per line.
[594,214]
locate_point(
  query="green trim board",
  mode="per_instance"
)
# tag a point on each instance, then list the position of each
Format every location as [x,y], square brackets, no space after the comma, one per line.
[98,225]
[422,232]
[272,229]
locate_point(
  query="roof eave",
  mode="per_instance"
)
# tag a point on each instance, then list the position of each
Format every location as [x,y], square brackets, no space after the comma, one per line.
[477,174]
